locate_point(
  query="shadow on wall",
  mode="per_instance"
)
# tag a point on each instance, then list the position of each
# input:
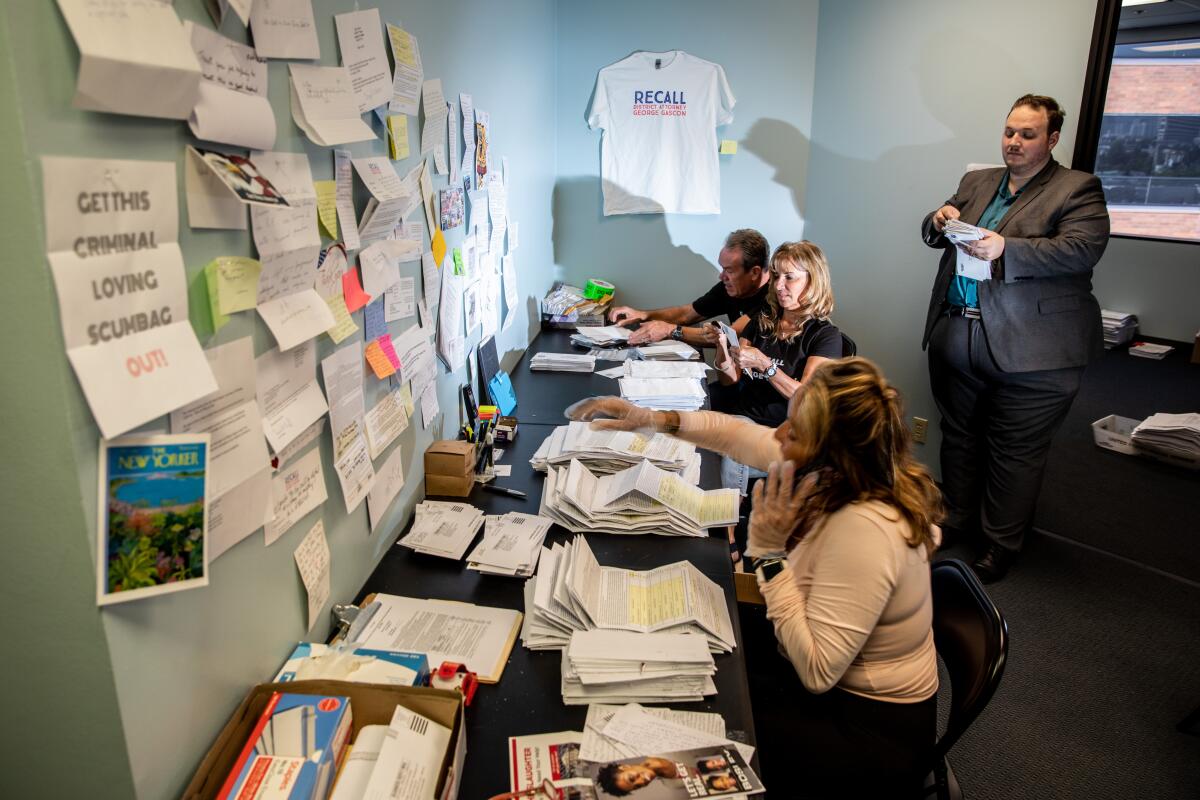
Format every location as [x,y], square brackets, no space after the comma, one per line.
[633,251]
[786,148]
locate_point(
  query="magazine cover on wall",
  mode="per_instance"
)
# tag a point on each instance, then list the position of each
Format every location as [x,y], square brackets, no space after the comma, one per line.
[153,516]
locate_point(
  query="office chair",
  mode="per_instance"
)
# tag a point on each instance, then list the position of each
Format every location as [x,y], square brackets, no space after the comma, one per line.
[849,348]
[972,638]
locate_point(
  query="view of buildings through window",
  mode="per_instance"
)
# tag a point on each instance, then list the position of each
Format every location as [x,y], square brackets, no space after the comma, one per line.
[1149,150]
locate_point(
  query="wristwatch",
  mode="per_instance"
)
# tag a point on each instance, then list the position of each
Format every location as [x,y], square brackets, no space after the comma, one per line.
[768,567]
[770,371]
[677,334]
[671,422]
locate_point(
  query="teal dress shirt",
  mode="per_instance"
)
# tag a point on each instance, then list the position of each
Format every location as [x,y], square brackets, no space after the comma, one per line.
[965,291]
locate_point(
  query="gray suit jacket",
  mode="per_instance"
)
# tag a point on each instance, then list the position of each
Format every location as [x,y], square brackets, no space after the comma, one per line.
[1038,309]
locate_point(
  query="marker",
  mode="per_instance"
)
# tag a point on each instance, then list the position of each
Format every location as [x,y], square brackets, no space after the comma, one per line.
[487,487]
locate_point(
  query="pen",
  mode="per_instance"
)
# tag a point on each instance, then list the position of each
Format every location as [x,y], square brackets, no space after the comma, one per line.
[487,487]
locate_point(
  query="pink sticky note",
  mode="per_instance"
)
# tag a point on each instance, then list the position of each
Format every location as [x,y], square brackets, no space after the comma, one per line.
[352,290]
[389,350]
[379,362]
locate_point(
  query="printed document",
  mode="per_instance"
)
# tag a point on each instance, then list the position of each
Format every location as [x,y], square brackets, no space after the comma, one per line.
[360,38]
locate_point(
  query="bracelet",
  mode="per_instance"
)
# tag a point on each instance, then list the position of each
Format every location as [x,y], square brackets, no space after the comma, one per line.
[671,425]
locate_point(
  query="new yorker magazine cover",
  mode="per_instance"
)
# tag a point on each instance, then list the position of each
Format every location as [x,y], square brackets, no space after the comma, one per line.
[153,516]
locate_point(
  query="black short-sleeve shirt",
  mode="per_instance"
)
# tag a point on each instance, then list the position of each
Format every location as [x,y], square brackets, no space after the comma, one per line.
[716,301]
[756,398]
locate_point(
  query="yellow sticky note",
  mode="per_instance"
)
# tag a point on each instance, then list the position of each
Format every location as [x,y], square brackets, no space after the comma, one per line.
[210,281]
[237,283]
[406,398]
[397,126]
[728,147]
[327,206]
[380,364]
[438,246]
[402,46]
[343,323]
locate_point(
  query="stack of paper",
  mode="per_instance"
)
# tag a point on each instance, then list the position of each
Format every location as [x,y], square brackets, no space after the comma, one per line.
[669,351]
[1170,434]
[641,499]
[672,725]
[658,368]
[1147,350]
[572,592]
[625,666]
[600,336]
[562,362]
[1119,327]
[443,529]
[511,544]
[962,234]
[605,452]
[680,394]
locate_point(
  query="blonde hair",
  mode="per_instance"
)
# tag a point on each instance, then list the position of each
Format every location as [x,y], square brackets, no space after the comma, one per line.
[817,302]
[852,422]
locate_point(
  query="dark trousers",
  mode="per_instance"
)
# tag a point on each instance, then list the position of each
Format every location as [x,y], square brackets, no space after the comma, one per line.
[996,430]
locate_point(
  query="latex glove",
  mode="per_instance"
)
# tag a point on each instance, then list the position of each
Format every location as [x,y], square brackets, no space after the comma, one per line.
[750,357]
[710,334]
[775,510]
[724,360]
[612,414]
[649,332]
[942,215]
[625,316]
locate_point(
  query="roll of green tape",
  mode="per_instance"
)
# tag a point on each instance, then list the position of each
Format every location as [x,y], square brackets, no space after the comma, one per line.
[596,288]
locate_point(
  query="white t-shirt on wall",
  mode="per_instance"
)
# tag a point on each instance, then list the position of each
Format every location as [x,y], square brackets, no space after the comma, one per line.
[659,151]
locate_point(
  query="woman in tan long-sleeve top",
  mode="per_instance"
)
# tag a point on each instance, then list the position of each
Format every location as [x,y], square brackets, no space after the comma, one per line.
[841,534]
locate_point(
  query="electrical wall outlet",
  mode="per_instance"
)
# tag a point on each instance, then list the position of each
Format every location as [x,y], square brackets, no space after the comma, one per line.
[920,427]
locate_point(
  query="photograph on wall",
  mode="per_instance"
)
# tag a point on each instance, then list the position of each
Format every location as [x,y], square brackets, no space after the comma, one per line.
[152,517]
[452,208]
[241,177]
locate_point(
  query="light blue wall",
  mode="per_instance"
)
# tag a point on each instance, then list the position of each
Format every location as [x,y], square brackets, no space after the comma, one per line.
[907,95]
[768,51]
[177,665]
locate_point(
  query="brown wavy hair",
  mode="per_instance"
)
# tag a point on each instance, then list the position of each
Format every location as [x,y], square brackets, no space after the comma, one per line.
[817,302]
[851,421]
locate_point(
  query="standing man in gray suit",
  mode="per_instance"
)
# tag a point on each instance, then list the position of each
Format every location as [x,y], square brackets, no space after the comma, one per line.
[1006,352]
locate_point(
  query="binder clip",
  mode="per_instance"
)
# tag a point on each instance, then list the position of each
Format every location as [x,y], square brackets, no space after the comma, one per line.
[456,677]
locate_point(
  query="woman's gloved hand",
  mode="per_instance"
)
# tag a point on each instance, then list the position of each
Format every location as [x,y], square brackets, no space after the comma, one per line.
[776,503]
[612,414]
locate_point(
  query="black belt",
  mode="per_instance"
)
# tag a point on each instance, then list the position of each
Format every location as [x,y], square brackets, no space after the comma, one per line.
[964,311]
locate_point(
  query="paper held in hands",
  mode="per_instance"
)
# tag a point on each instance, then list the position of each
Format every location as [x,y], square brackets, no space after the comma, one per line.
[961,234]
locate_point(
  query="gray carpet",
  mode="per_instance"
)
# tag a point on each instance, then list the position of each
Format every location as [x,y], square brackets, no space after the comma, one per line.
[1104,661]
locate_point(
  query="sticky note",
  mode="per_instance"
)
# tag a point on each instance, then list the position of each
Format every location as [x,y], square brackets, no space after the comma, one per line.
[438,246]
[389,350]
[343,322]
[378,360]
[406,398]
[210,281]
[327,206]
[458,262]
[356,298]
[397,127]
[374,320]
[237,283]
[728,147]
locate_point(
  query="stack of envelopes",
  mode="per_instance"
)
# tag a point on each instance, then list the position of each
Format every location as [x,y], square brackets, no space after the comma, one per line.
[641,499]
[664,394]
[511,544]
[600,336]
[572,592]
[668,351]
[625,667]
[605,452]
[443,529]
[562,362]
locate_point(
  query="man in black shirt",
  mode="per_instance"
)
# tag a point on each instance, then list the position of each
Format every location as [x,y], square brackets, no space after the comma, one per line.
[740,292]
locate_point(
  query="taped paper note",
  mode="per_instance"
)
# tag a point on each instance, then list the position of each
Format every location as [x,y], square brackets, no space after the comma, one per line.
[324,106]
[360,37]
[232,107]
[284,29]
[295,491]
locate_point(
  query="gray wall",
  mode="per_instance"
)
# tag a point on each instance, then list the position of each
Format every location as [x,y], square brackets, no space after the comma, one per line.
[1158,281]
[767,48]
[132,695]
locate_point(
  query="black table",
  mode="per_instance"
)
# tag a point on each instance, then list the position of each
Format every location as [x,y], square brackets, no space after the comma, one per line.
[543,396]
[528,698]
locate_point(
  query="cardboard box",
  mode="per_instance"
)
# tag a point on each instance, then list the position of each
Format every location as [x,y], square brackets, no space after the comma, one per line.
[450,468]
[371,704]
[1116,434]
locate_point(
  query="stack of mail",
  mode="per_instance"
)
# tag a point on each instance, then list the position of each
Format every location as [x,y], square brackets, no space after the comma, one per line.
[668,351]
[664,394]
[641,499]
[1170,434]
[1150,350]
[605,452]
[670,728]
[967,265]
[600,336]
[626,666]
[511,545]
[665,369]
[562,362]
[443,529]
[1119,327]
[572,592]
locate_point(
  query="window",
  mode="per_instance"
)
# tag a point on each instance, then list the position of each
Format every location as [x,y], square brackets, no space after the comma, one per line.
[1145,140]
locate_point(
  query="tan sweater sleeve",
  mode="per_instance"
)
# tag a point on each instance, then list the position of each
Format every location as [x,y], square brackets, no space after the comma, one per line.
[824,619]
[742,440]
